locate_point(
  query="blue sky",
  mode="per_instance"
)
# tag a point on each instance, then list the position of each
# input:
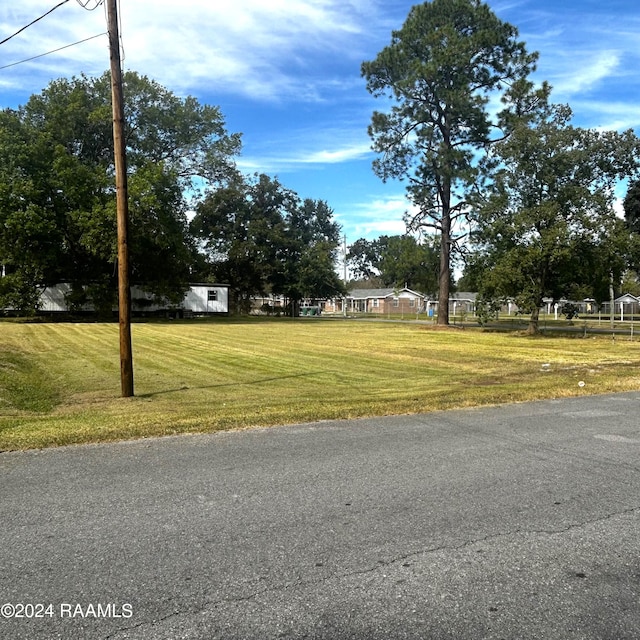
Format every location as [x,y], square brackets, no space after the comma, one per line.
[286,73]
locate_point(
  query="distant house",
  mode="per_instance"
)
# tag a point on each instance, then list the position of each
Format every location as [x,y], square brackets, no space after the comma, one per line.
[200,299]
[627,303]
[381,301]
[624,306]
[206,299]
[53,299]
[462,302]
[585,306]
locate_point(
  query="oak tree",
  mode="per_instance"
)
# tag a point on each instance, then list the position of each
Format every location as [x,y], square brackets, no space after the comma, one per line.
[57,193]
[547,226]
[261,238]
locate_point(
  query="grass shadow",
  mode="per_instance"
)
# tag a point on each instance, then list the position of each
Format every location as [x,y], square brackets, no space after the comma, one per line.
[153,394]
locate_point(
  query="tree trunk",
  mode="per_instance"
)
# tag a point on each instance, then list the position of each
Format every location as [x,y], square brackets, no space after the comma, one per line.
[534,322]
[445,262]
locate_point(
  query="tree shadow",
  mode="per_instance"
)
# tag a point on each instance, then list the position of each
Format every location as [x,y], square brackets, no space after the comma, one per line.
[229,384]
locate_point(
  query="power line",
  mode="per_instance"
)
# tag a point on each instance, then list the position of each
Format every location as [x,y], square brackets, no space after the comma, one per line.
[34,21]
[84,4]
[42,55]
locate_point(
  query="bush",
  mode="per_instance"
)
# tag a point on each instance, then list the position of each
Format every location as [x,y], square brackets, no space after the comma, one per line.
[569,310]
[486,310]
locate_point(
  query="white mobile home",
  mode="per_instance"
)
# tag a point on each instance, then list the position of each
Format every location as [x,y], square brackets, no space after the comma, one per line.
[207,298]
[53,299]
[200,299]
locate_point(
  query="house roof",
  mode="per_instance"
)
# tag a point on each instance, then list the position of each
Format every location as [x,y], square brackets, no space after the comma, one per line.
[208,284]
[363,294]
[627,298]
[463,295]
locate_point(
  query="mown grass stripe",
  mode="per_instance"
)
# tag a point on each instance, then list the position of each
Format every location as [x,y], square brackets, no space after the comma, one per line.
[204,376]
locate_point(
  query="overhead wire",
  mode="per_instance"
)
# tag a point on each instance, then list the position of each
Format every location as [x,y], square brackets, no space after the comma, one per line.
[33,22]
[97,3]
[123,56]
[13,64]
[84,5]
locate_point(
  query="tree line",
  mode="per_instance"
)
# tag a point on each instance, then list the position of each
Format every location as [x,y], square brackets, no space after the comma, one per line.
[193,216]
[493,167]
[499,178]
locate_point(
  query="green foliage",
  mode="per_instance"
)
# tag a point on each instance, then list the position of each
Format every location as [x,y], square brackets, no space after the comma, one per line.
[241,227]
[159,232]
[486,310]
[569,310]
[57,197]
[630,283]
[440,70]
[632,207]
[363,258]
[19,291]
[399,260]
[261,238]
[547,225]
[307,260]
[632,218]
[474,269]
[405,262]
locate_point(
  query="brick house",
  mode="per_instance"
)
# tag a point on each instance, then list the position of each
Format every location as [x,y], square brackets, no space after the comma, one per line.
[385,301]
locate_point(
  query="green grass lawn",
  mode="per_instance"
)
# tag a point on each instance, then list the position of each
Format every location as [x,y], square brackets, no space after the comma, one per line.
[60,383]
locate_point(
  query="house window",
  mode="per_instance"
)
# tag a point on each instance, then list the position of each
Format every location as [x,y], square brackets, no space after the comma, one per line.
[412,302]
[396,302]
[212,295]
[376,303]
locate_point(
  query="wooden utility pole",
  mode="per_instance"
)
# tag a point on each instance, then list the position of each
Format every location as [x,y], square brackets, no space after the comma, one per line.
[122,198]
[344,255]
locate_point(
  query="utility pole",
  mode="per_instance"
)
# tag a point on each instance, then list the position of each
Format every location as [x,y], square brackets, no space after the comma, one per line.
[612,301]
[122,198]
[344,255]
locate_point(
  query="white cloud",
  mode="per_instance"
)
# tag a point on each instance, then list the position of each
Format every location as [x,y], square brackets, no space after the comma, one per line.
[378,216]
[343,154]
[588,53]
[309,148]
[608,116]
[582,71]
[250,47]
[375,229]
[263,50]
[273,164]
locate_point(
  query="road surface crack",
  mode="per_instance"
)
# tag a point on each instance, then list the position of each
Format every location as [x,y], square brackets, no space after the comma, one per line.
[381,564]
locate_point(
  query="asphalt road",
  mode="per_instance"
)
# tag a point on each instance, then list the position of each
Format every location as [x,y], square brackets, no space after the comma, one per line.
[520,521]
